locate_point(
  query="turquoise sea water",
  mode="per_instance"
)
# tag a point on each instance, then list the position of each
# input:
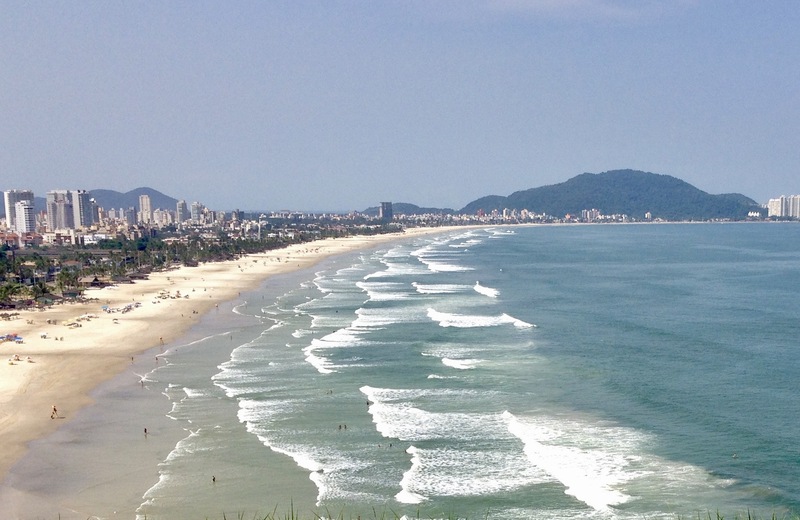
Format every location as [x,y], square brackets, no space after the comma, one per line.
[525,372]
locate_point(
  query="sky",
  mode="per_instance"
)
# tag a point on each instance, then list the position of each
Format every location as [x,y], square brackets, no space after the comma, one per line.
[338,105]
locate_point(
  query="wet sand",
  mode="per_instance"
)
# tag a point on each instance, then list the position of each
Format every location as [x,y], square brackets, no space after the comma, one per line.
[71,354]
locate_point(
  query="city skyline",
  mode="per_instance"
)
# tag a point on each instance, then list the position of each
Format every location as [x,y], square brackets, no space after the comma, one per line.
[334,106]
[82,206]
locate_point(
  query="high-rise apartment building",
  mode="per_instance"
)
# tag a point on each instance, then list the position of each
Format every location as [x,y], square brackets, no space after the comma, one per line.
[181,212]
[197,212]
[83,209]
[145,210]
[784,206]
[386,213]
[794,206]
[60,212]
[24,216]
[11,197]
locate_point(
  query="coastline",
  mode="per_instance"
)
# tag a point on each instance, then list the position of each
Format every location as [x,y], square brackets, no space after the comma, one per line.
[65,372]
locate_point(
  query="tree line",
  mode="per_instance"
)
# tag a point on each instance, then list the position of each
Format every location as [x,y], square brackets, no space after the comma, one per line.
[30,274]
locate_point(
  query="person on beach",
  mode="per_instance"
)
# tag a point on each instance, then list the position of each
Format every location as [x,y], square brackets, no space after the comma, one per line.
[54,414]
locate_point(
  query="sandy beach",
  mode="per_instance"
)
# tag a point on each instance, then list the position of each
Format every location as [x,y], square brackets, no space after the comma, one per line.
[68,350]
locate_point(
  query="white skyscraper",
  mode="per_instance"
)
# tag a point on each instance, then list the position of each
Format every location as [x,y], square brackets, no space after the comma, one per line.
[11,197]
[25,216]
[794,206]
[145,210]
[784,206]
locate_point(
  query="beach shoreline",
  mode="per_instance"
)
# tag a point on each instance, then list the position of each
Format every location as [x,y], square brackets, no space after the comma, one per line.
[61,365]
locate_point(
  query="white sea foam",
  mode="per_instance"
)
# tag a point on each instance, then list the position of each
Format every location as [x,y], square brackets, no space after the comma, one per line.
[356,334]
[396,417]
[184,448]
[591,462]
[467,321]
[341,338]
[422,250]
[277,325]
[326,321]
[465,472]
[396,269]
[301,333]
[461,364]
[466,244]
[323,365]
[439,261]
[406,496]
[384,291]
[453,351]
[192,393]
[145,378]
[440,288]
[486,291]
[369,319]
[305,461]
[443,265]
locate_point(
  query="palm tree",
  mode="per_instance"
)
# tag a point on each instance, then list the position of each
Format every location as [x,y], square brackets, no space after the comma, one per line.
[66,279]
[38,290]
[8,290]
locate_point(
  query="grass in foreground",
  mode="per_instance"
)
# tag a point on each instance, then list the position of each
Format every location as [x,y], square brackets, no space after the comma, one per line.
[391,515]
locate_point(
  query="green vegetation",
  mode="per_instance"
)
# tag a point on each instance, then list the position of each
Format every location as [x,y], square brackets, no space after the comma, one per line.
[391,515]
[36,275]
[629,192]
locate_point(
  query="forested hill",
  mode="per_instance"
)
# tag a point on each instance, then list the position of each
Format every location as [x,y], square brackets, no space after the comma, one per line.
[109,199]
[629,192]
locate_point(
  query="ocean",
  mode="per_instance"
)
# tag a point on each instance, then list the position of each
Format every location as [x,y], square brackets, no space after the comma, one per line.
[609,371]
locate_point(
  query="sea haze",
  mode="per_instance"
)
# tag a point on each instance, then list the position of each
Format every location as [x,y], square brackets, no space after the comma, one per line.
[528,372]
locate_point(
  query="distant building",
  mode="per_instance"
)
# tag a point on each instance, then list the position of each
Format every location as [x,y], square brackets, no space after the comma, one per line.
[197,212]
[24,217]
[163,217]
[784,206]
[83,209]
[60,211]
[145,210]
[11,197]
[129,215]
[385,213]
[181,212]
[590,215]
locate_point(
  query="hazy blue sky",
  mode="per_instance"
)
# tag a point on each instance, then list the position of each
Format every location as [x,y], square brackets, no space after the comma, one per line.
[337,105]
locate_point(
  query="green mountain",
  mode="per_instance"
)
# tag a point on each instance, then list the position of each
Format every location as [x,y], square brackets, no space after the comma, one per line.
[629,192]
[110,199]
